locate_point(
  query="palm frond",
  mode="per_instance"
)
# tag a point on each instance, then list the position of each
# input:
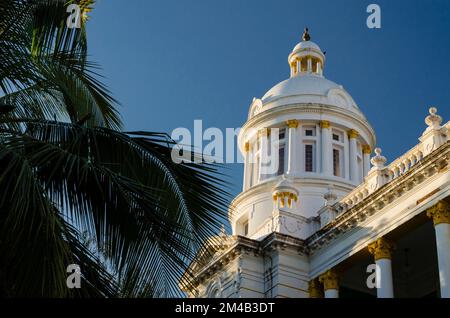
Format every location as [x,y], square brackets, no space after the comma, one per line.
[37,245]
[151,214]
[37,49]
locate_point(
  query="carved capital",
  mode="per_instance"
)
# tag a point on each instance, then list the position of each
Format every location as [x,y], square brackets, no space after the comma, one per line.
[366,149]
[292,123]
[381,248]
[324,124]
[440,212]
[315,288]
[352,133]
[330,280]
[247,146]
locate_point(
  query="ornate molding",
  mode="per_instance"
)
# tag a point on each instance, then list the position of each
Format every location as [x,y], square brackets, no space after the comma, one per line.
[381,248]
[287,241]
[315,288]
[247,146]
[284,195]
[350,217]
[352,133]
[292,123]
[324,124]
[264,132]
[329,279]
[234,248]
[366,149]
[315,108]
[440,213]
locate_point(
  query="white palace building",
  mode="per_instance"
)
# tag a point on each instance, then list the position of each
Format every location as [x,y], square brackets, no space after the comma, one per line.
[313,228]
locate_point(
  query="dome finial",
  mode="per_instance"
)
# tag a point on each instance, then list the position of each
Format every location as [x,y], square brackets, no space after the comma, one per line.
[306,36]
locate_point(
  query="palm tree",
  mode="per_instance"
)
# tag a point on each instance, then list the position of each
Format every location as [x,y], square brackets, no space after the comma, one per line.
[74,188]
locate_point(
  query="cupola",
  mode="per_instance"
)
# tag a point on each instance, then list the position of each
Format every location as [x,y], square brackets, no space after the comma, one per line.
[306,58]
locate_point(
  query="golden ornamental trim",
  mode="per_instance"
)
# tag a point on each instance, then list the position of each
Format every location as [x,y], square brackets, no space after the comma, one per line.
[352,133]
[247,146]
[264,132]
[292,123]
[330,280]
[440,213]
[381,248]
[315,288]
[324,124]
[366,149]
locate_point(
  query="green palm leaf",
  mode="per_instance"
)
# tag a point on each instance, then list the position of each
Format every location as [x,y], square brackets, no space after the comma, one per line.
[68,173]
[150,214]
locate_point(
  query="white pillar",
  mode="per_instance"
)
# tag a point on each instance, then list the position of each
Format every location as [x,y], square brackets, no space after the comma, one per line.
[440,213]
[443,251]
[332,293]
[319,68]
[386,289]
[382,250]
[353,160]
[293,162]
[309,65]
[366,159]
[263,155]
[299,66]
[247,167]
[327,148]
[330,284]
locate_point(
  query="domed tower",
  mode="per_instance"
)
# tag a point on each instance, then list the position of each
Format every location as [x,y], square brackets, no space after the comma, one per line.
[314,138]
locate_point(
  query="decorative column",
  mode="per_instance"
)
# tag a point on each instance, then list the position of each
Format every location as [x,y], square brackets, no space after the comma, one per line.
[315,288]
[353,160]
[293,162]
[327,154]
[382,249]
[309,65]
[319,68]
[366,150]
[247,166]
[330,283]
[440,213]
[264,153]
[299,66]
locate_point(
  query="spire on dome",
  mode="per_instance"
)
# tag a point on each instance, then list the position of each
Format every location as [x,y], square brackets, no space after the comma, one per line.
[306,36]
[306,58]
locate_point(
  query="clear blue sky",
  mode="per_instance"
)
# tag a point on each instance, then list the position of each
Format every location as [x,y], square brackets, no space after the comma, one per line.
[169,62]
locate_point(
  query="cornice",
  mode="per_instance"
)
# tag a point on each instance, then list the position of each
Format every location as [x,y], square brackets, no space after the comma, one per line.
[432,164]
[282,241]
[308,108]
[243,245]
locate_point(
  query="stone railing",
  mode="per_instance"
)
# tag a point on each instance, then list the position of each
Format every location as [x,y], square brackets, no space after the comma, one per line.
[358,194]
[402,165]
[397,168]
[379,175]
